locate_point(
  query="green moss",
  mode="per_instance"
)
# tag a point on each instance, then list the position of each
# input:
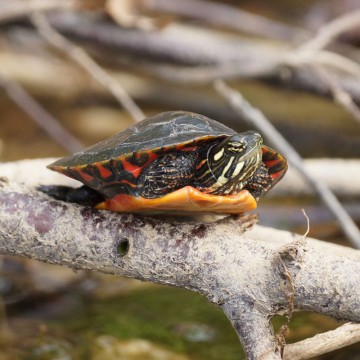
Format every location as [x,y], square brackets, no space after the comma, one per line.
[154,314]
[163,315]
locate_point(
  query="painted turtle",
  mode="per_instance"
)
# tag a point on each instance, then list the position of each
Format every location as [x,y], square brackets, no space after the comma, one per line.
[174,161]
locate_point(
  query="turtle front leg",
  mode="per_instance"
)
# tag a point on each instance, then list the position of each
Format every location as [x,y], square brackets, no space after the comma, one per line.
[167,173]
[83,195]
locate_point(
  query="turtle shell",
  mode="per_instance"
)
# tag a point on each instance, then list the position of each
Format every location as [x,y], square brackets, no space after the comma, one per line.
[167,129]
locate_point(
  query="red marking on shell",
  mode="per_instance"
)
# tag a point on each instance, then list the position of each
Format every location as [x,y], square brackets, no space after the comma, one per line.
[152,157]
[105,173]
[86,177]
[133,169]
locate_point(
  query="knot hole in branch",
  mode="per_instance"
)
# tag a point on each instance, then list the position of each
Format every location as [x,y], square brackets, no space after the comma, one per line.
[123,247]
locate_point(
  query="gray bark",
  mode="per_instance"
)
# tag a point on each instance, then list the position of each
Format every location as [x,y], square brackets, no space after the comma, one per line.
[249,278]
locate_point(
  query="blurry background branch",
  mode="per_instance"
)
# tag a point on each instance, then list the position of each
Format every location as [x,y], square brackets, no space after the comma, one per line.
[13,9]
[217,14]
[84,60]
[332,30]
[50,124]
[208,48]
[217,51]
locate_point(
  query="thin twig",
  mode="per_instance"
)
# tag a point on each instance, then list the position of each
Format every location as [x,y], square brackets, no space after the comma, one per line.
[256,118]
[330,31]
[12,9]
[344,335]
[307,223]
[87,63]
[207,74]
[311,53]
[44,119]
[340,95]
[324,58]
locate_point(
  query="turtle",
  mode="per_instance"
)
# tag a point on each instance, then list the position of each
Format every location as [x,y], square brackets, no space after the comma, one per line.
[175,161]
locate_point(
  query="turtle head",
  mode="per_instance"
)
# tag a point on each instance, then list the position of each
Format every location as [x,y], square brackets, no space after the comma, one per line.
[233,161]
[242,146]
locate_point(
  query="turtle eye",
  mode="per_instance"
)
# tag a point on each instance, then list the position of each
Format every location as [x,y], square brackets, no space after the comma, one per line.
[236,147]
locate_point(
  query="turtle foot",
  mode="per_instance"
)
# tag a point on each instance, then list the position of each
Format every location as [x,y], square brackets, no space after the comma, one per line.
[83,195]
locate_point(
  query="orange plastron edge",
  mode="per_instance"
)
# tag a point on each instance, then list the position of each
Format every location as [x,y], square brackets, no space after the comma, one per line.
[187,199]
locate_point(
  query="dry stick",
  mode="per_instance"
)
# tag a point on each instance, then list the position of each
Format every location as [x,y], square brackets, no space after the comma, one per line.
[87,63]
[331,59]
[207,74]
[311,53]
[15,9]
[331,30]
[324,58]
[226,15]
[44,119]
[257,119]
[340,95]
[344,335]
[198,49]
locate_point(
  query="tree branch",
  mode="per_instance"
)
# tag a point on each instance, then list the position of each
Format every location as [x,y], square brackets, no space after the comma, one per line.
[247,321]
[252,285]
